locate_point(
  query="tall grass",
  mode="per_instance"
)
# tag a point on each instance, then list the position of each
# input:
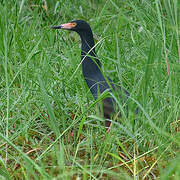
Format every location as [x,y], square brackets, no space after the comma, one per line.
[50,126]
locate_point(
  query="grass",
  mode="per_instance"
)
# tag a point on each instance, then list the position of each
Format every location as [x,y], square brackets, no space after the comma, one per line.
[50,126]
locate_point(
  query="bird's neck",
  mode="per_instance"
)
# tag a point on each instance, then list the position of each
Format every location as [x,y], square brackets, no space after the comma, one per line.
[88,49]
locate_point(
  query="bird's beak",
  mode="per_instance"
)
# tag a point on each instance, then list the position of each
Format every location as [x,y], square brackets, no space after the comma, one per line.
[65,26]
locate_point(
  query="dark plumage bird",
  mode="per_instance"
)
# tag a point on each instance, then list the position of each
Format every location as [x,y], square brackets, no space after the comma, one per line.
[91,66]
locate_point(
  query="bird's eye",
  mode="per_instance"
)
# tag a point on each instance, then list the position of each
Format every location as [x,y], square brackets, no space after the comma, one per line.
[74,24]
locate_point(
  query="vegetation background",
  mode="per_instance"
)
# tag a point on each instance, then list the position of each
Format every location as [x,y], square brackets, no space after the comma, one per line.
[50,127]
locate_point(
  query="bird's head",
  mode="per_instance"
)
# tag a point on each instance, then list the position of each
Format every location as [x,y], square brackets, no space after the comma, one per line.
[76,25]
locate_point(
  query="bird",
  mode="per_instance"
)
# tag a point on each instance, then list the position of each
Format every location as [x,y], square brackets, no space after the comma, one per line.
[92,67]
